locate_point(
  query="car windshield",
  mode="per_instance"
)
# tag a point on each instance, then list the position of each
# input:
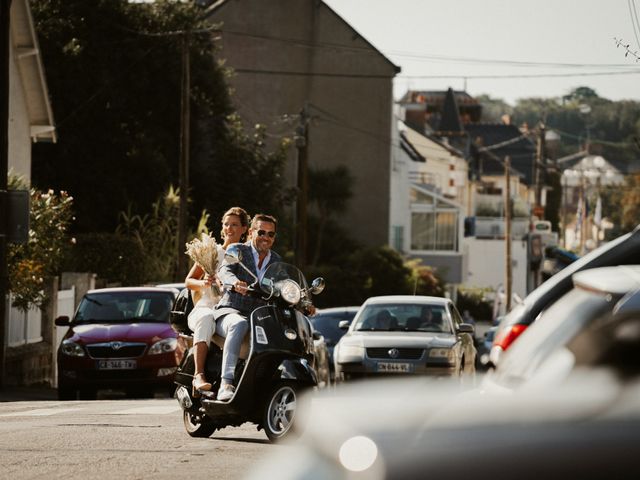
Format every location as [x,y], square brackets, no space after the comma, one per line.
[328,324]
[123,307]
[408,317]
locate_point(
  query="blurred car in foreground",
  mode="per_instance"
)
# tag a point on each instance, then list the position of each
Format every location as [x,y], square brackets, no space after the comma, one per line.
[402,334]
[600,314]
[327,322]
[625,250]
[588,427]
[119,338]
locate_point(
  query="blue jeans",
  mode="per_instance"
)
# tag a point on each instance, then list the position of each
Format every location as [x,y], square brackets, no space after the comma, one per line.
[233,327]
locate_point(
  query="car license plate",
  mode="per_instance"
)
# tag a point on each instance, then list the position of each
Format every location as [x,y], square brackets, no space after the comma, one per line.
[391,367]
[116,364]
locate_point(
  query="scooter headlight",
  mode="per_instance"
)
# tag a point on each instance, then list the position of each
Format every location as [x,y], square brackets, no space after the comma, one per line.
[290,291]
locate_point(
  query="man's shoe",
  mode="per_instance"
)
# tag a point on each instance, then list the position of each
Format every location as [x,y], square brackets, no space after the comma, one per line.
[200,383]
[226,393]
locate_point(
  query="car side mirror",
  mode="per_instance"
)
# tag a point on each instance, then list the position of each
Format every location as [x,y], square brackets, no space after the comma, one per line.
[62,321]
[344,324]
[316,335]
[317,286]
[466,328]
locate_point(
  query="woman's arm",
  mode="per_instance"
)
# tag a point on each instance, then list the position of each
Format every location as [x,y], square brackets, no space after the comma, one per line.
[197,279]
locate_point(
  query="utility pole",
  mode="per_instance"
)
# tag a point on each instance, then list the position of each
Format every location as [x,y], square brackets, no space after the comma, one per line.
[539,162]
[5,45]
[185,114]
[302,142]
[507,231]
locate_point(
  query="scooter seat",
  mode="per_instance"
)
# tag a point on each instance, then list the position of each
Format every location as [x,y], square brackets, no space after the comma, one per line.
[244,348]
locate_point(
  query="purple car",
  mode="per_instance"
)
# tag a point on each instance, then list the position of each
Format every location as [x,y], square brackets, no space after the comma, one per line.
[119,338]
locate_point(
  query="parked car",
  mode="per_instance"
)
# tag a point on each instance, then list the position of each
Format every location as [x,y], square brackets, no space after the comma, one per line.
[327,322]
[393,335]
[588,427]
[321,359]
[600,314]
[484,347]
[625,250]
[119,338]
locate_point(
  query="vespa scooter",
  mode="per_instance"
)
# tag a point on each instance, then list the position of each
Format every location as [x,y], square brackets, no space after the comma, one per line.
[275,365]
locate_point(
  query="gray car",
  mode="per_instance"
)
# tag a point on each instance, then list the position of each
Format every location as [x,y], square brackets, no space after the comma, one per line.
[393,335]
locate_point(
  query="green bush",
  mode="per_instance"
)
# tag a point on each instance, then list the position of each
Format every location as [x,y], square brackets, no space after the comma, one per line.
[113,257]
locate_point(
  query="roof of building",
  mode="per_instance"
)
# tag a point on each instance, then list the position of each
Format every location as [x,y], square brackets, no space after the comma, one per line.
[496,141]
[450,119]
[31,71]
[218,4]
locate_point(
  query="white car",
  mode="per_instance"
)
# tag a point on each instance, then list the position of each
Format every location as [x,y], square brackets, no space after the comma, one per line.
[395,334]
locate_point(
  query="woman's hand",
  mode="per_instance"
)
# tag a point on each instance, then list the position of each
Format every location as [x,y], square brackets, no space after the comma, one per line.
[208,280]
[240,287]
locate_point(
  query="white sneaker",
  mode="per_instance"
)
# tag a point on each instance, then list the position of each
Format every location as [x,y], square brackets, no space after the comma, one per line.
[225,393]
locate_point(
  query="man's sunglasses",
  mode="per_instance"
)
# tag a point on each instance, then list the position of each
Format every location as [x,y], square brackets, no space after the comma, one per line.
[262,233]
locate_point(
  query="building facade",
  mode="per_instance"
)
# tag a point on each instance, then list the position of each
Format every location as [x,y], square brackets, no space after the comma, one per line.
[295,56]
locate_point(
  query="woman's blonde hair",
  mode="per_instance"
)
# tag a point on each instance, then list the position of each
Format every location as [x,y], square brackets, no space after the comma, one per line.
[242,214]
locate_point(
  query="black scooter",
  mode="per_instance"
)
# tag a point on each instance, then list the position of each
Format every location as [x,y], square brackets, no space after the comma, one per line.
[276,359]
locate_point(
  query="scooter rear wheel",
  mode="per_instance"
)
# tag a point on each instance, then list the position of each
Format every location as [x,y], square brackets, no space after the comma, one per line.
[280,412]
[195,427]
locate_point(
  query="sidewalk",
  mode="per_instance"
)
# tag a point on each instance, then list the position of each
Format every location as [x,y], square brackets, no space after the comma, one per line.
[20,393]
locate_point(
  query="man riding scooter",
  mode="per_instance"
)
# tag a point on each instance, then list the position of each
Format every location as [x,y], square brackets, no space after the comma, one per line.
[235,306]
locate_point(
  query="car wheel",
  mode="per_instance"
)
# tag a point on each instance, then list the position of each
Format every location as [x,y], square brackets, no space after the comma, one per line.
[196,427]
[281,411]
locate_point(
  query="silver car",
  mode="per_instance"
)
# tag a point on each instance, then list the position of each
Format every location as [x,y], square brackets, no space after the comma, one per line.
[395,334]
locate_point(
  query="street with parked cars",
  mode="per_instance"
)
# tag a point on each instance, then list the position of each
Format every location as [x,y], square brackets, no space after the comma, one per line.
[398,378]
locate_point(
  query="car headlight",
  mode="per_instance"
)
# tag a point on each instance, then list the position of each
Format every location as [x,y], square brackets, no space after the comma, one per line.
[442,353]
[290,291]
[163,346]
[350,353]
[72,349]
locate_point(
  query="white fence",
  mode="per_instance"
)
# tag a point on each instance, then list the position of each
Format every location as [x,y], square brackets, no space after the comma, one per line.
[24,327]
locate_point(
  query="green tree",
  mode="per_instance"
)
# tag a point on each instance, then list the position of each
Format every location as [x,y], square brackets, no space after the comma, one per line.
[114,74]
[32,263]
[493,109]
[329,191]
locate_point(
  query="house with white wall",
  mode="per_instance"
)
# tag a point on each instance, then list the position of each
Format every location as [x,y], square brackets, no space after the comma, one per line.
[30,115]
[429,190]
[29,336]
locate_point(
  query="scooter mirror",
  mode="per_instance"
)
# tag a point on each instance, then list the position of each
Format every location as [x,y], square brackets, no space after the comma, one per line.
[317,286]
[233,254]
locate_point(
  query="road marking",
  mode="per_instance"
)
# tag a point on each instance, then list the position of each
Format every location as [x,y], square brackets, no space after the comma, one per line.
[149,410]
[39,412]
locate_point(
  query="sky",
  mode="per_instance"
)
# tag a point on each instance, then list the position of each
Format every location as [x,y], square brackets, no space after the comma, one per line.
[506,40]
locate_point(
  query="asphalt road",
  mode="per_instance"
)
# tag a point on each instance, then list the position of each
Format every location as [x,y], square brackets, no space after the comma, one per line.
[128,439]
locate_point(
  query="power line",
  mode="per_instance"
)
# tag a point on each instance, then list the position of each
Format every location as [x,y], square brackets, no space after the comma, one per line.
[514,63]
[524,75]
[309,74]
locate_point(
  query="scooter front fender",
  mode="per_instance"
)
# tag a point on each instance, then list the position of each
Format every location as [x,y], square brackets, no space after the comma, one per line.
[297,370]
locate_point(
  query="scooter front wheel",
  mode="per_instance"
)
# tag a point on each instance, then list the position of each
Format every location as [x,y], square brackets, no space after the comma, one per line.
[195,427]
[281,410]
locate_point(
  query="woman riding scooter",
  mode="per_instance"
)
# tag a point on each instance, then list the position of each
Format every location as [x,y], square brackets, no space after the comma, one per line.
[275,360]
